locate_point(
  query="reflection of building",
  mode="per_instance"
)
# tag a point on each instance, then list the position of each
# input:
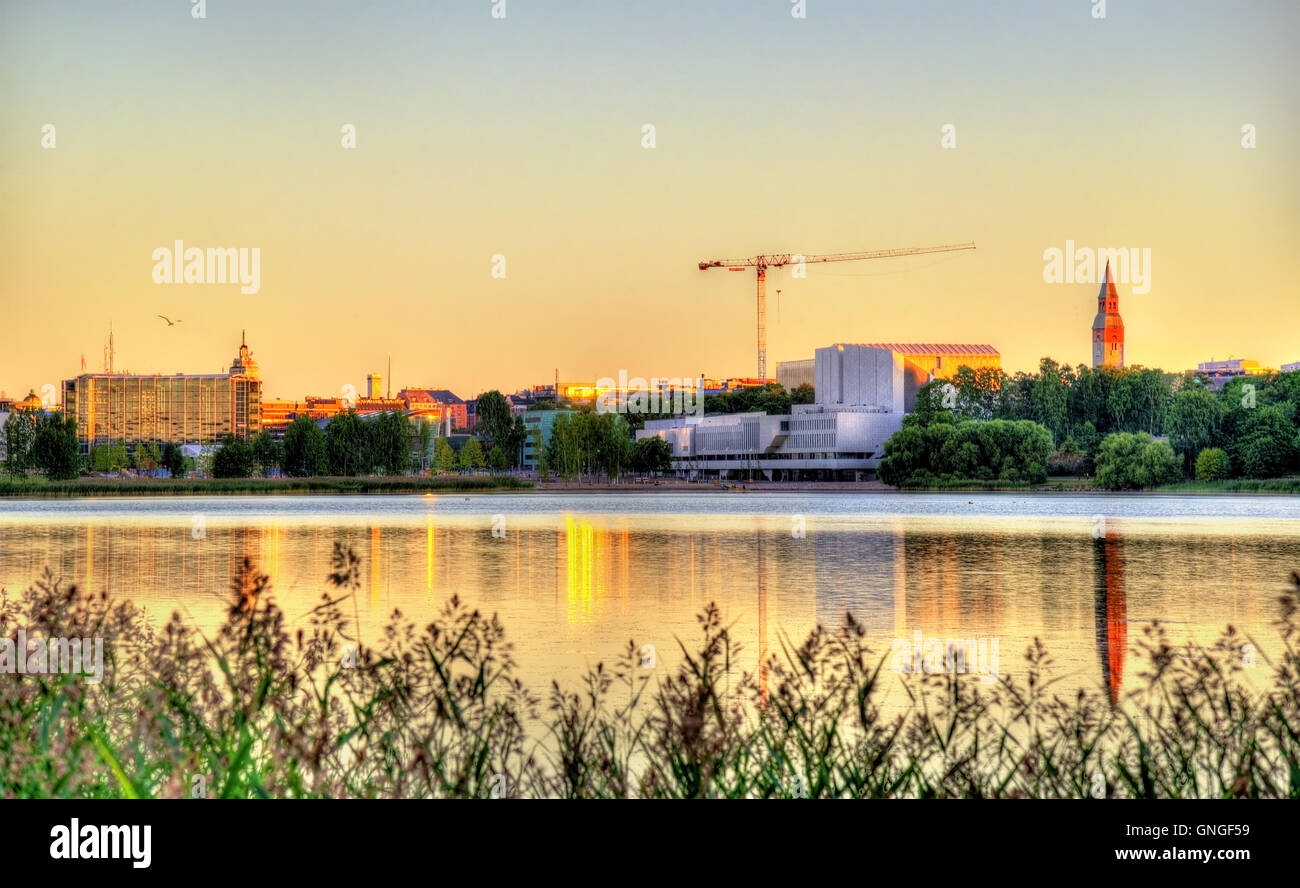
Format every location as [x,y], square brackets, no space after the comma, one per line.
[1108,327]
[1111,610]
[124,408]
[862,393]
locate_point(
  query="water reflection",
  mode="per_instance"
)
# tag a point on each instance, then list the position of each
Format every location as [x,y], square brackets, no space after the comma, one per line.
[573,586]
[1111,610]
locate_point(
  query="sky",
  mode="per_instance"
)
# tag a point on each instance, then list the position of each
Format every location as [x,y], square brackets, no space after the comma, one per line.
[523,137]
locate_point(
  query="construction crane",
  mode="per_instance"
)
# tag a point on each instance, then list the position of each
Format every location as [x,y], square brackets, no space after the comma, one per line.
[777,260]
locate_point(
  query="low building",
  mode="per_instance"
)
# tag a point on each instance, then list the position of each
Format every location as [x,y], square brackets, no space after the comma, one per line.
[1220,373]
[1291,368]
[438,403]
[537,433]
[862,393]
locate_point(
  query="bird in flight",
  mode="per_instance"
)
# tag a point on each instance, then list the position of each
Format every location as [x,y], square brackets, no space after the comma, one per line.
[170,322]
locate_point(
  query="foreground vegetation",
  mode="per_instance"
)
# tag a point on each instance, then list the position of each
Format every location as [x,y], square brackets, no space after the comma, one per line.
[35,486]
[273,706]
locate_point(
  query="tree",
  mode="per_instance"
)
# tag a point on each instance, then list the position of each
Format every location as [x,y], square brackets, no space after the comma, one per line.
[1132,461]
[651,455]
[233,460]
[108,458]
[20,432]
[54,449]
[471,455]
[1212,465]
[803,393]
[424,435]
[305,450]
[346,443]
[543,454]
[444,457]
[1193,422]
[494,420]
[390,443]
[996,450]
[268,453]
[1260,441]
[147,456]
[173,459]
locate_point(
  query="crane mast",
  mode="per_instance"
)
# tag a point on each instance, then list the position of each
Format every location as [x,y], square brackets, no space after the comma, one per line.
[762,262]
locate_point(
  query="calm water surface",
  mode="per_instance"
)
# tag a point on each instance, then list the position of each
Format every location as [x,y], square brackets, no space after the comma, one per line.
[574,577]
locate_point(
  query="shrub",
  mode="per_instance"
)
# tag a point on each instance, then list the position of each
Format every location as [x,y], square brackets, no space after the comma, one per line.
[1133,461]
[1212,465]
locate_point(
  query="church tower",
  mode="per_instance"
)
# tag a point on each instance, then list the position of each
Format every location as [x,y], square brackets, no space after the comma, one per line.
[1108,327]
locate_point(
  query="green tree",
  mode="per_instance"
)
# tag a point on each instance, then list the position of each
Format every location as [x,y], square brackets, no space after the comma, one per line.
[390,440]
[305,450]
[1260,441]
[1195,416]
[651,455]
[1135,460]
[803,393]
[233,460]
[494,420]
[444,457]
[109,458]
[347,444]
[1212,465]
[471,455]
[173,460]
[268,453]
[20,432]
[55,450]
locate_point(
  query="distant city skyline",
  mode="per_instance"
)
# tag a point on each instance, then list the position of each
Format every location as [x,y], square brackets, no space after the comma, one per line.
[525,138]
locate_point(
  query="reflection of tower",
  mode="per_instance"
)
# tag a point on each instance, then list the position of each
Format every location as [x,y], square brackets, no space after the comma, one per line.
[1111,612]
[762,616]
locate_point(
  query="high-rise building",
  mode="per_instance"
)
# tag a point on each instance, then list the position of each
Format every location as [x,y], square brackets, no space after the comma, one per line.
[1108,327]
[375,385]
[127,408]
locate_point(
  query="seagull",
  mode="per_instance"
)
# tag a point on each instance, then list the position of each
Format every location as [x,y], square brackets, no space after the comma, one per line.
[170,322]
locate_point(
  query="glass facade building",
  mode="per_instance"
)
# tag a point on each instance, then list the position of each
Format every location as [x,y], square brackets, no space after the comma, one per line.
[127,408]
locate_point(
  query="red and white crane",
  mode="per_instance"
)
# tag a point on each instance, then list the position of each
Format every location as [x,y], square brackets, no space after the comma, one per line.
[765,261]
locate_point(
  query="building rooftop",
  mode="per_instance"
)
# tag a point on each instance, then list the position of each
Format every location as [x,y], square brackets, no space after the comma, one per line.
[926,348]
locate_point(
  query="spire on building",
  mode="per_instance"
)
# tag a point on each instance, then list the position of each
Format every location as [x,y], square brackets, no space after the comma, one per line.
[1108,326]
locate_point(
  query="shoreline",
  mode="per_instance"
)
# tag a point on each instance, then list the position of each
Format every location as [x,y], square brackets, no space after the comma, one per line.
[490,484]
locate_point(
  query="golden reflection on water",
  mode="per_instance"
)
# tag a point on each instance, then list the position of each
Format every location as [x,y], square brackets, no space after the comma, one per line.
[573,589]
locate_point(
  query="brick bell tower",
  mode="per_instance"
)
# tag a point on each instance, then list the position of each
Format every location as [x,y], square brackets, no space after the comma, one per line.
[1108,327]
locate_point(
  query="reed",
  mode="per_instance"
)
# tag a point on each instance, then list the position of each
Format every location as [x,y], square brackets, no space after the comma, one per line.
[260,709]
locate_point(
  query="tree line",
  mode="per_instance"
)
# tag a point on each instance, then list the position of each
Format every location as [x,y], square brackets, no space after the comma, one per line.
[1131,427]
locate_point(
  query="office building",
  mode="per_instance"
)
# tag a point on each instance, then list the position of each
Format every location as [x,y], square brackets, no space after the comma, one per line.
[128,408]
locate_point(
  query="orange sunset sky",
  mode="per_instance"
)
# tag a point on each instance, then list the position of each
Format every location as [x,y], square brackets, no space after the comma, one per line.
[522,136]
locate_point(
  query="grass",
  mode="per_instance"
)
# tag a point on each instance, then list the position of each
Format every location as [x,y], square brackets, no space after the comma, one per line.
[260,709]
[33,486]
[1237,485]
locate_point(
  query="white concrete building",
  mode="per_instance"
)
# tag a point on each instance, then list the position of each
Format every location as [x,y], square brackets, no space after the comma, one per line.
[862,393]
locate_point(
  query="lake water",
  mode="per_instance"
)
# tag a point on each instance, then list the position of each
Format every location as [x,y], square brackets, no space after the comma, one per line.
[575,576]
